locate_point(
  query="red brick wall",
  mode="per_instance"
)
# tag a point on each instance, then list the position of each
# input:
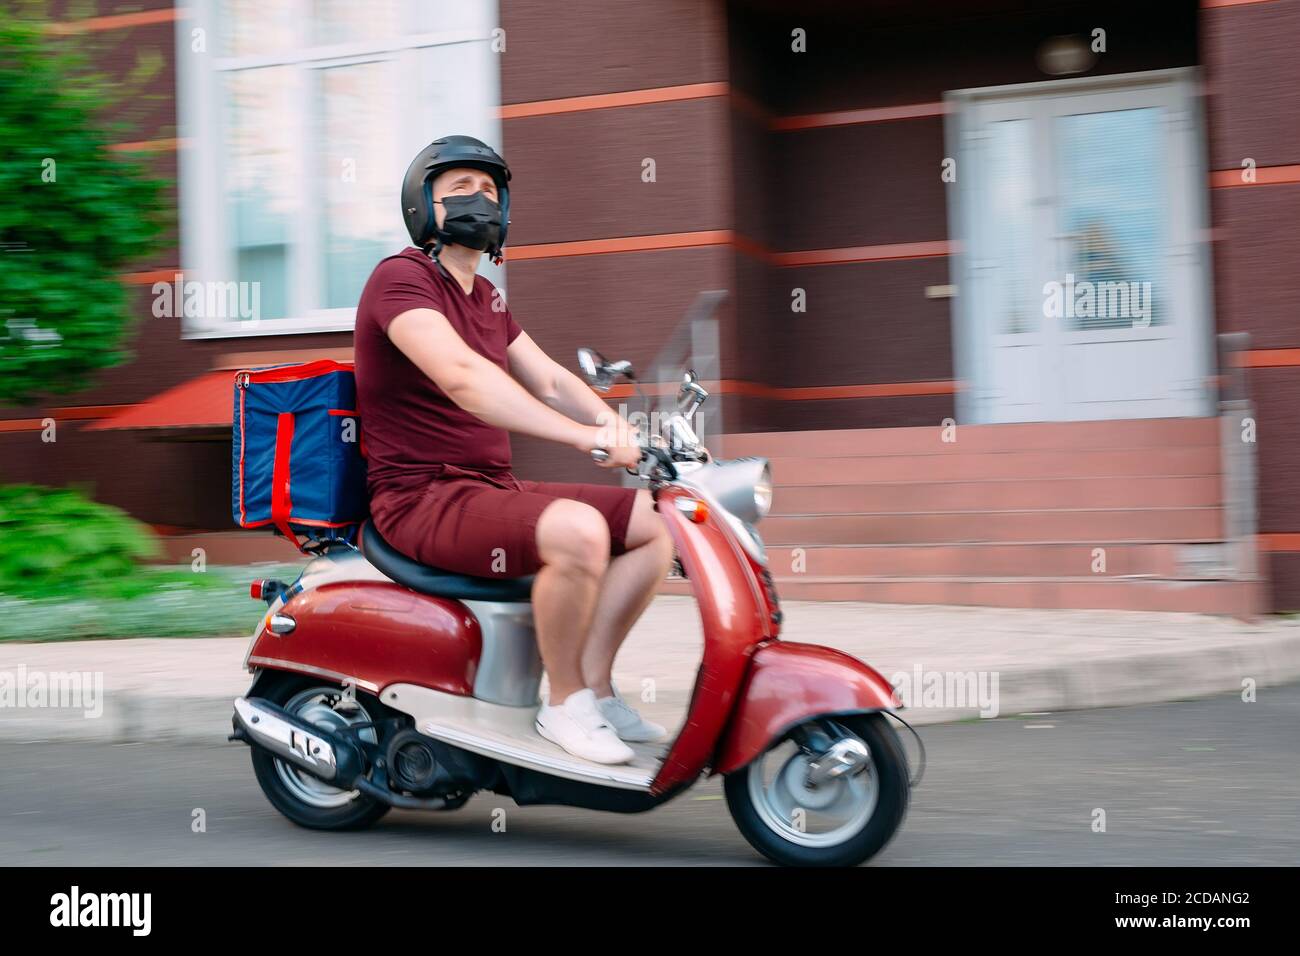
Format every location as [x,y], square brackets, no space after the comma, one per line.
[878,183]
[1250,57]
[577,177]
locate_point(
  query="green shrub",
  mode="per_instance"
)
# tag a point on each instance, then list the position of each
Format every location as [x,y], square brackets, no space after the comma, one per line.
[76,214]
[72,569]
[58,542]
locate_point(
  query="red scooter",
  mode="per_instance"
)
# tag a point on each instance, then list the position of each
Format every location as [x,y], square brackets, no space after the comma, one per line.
[380,682]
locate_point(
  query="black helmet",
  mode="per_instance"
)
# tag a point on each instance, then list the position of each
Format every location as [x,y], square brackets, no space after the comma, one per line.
[447,153]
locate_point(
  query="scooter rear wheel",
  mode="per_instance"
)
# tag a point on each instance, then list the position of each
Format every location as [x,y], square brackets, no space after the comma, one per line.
[842,822]
[304,799]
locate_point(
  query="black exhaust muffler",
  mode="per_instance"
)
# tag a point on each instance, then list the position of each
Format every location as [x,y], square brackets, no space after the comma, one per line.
[260,723]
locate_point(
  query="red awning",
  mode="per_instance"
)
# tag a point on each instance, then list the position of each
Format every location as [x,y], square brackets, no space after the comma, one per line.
[202,402]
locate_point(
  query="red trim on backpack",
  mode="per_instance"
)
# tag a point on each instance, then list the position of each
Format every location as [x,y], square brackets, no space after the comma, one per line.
[361,435]
[314,522]
[281,498]
[317,523]
[243,517]
[295,373]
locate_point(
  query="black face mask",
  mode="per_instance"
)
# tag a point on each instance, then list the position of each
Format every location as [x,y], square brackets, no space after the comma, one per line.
[471,221]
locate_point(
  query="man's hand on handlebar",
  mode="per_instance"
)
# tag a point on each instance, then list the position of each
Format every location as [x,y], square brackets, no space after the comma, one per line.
[620,442]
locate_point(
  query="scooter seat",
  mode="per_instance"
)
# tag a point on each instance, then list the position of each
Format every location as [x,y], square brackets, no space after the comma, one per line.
[430,580]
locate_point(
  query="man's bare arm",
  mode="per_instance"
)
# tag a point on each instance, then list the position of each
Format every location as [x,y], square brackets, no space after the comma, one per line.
[553,384]
[479,386]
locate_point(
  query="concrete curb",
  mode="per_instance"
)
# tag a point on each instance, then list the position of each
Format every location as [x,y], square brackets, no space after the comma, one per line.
[132,715]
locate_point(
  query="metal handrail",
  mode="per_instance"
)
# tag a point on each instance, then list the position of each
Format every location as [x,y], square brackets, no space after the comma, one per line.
[1237,433]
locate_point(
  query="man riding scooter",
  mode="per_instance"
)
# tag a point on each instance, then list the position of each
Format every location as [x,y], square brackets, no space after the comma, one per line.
[444,373]
[403,670]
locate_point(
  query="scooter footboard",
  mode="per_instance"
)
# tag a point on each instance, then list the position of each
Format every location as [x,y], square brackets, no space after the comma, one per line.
[789,683]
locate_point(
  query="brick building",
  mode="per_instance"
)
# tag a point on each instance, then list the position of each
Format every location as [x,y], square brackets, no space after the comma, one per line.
[887,190]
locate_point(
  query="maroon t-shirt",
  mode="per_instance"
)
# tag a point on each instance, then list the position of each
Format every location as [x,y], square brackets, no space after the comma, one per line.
[409,425]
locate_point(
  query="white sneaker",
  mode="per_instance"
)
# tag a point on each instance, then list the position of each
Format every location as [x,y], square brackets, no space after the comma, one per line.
[577,726]
[627,723]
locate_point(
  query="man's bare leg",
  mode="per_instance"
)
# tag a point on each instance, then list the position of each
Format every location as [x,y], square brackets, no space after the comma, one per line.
[627,589]
[573,544]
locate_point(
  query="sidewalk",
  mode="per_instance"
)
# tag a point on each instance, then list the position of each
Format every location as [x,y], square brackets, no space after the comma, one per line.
[1043,661]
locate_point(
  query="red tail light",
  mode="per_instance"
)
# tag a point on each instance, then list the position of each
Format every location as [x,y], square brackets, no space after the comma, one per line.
[266,589]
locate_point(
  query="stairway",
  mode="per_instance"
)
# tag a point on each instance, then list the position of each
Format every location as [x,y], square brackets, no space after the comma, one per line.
[1116,514]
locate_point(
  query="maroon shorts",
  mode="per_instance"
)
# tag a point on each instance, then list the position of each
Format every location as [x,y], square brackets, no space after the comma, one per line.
[473,523]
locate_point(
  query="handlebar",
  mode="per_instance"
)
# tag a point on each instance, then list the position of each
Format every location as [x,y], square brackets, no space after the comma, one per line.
[665,460]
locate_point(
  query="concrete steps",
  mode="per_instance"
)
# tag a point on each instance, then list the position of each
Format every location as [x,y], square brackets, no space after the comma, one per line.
[983,559]
[1088,493]
[1133,524]
[1144,433]
[1234,598]
[1125,515]
[1002,466]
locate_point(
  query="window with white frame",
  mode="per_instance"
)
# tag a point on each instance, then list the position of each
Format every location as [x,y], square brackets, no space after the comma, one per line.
[299,119]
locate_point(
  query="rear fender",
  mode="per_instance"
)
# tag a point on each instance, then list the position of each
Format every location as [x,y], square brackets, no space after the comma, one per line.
[371,634]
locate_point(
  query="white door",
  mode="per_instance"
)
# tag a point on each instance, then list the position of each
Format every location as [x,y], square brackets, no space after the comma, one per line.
[1082,276]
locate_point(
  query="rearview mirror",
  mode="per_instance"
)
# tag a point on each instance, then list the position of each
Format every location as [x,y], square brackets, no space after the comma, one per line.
[600,373]
[591,361]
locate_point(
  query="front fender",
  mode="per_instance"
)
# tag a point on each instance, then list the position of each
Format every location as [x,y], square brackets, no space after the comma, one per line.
[789,683]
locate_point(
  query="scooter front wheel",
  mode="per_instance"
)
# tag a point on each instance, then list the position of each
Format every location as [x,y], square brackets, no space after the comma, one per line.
[796,816]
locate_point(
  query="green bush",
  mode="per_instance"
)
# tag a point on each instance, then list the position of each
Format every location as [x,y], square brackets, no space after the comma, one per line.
[58,542]
[75,215]
[72,569]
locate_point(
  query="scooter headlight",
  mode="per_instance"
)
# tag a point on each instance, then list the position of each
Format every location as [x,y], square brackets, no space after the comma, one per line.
[743,486]
[763,492]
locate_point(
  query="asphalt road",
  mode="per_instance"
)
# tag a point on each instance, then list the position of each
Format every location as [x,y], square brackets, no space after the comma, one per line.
[1199,782]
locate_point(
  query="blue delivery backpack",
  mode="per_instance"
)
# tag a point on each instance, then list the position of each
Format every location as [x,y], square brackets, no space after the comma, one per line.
[299,465]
